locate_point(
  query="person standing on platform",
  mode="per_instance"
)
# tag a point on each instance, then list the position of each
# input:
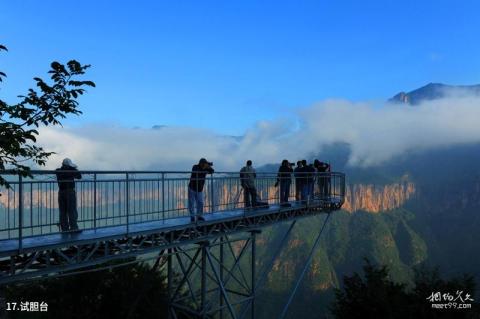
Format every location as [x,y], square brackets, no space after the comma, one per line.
[195,188]
[299,179]
[284,179]
[67,197]
[323,179]
[308,172]
[247,179]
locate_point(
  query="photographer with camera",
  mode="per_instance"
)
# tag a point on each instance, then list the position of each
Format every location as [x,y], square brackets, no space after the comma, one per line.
[284,178]
[195,188]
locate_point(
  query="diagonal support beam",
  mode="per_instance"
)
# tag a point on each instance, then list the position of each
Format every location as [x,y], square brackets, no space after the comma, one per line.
[222,288]
[267,268]
[185,275]
[304,271]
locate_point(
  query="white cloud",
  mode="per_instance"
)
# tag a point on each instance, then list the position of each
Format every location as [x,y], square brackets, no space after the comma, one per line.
[378,134]
[375,134]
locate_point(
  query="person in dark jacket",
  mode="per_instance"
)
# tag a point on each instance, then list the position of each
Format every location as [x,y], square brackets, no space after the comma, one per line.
[298,181]
[67,197]
[284,178]
[323,179]
[308,172]
[195,188]
[247,179]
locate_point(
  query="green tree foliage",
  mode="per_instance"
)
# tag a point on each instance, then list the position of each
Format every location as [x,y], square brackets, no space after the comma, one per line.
[135,291]
[375,295]
[47,106]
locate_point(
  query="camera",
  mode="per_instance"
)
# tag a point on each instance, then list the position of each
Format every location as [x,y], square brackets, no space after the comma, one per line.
[204,161]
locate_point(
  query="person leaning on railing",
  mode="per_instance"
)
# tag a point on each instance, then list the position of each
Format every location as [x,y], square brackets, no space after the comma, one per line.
[67,197]
[195,188]
[284,178]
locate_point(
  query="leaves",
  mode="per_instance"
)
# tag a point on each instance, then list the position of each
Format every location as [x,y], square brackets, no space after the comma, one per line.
[89,83]
[59,68]
[74,66]
[80,83]
[47,106]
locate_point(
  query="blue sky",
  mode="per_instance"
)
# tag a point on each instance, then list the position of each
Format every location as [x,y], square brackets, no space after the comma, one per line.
[224,65]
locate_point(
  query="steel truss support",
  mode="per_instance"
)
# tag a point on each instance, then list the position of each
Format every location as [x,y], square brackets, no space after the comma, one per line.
[214,280]
[218,278]
[52,260]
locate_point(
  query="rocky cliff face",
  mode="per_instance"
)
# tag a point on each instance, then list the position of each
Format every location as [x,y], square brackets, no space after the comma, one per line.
[367,197]
[372,198]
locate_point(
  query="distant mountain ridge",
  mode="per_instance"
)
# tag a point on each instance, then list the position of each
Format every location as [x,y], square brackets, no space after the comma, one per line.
[417,209]
[432,91]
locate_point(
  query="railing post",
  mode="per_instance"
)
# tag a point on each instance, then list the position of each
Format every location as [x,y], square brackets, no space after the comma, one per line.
[211,193]
[170,282]
[203,283]
[333,189]
[95,200]
[277,189]
[127,193]
[222,261]
[20,212]
[163,196]
[253,270]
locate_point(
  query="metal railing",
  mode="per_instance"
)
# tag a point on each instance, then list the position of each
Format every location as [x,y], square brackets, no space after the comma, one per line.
[111,198]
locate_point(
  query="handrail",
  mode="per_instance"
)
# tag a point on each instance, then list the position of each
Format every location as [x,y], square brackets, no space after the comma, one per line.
[30,207]
[46,172]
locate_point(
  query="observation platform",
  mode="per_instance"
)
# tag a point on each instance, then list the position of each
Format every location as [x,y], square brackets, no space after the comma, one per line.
[126,214]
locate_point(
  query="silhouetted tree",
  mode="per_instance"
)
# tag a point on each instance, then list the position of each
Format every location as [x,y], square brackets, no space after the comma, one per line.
[429,281]
[135,291]
[19,122]
[377,296]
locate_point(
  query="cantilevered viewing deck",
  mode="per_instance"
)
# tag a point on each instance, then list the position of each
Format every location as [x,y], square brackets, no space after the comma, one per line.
[125,214]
